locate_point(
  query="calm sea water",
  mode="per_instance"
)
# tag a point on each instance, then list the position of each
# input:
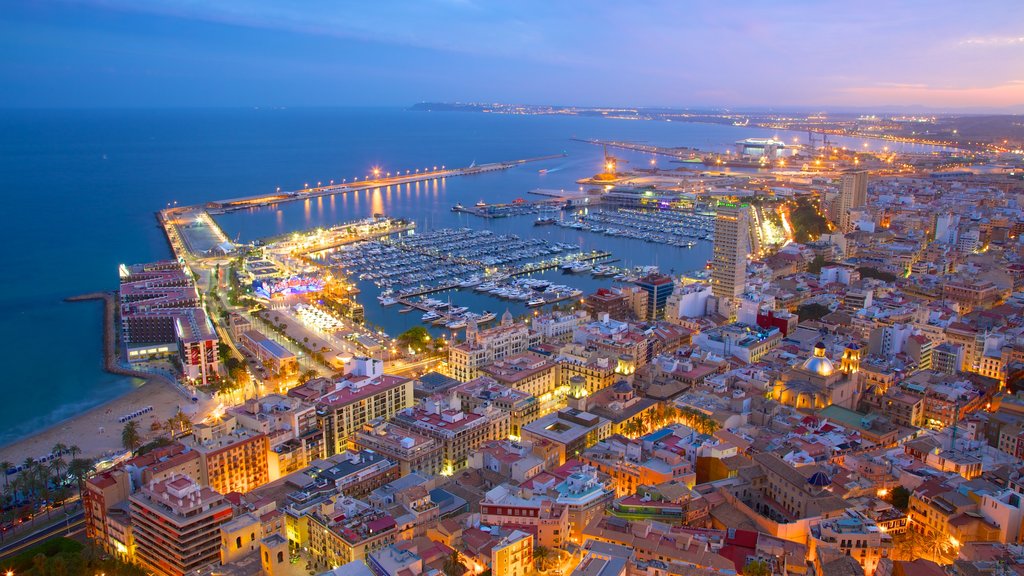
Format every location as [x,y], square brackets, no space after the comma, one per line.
[82,186]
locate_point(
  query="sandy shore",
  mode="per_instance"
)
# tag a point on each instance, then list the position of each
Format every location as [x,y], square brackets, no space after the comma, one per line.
[97,431]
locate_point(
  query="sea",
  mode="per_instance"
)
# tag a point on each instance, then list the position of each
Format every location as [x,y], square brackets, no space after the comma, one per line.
[82,187]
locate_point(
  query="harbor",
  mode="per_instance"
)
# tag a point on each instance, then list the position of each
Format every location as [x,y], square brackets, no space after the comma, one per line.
[670,227]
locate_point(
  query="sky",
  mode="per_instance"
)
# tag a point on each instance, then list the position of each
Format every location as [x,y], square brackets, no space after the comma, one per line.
[814,54]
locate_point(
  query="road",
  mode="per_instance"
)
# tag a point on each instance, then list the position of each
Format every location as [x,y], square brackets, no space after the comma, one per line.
[70,526]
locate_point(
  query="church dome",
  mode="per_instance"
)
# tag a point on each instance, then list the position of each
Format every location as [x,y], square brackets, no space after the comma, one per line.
[819,363]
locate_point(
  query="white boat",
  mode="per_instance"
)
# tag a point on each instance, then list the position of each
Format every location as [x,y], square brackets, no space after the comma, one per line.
[430,316]
[537,302]
[387,301]
[456,324]
[581,267]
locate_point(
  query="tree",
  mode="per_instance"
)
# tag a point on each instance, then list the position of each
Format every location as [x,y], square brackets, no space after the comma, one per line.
[130,437]
[541,555]
[5,465]
[58,466]
[452,566]
[757,568]
[899,497]
[79,469]
[868,272]
[812,311]
[414,337]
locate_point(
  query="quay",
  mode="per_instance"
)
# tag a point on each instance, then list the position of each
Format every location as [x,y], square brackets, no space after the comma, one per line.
[191,231]
[679,153]
[259,200]
[519,207]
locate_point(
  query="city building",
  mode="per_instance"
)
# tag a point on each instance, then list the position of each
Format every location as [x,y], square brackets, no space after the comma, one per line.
[746,342]
[521,406]
[232,458]
[571,430]
[358,399]
[730,250]
[176,525]
[161,315]
[277,358]
[484,347]
[513,555]
[854,535]
[415,453]
[347,530]
[458,432]
[658,288]
[853,195]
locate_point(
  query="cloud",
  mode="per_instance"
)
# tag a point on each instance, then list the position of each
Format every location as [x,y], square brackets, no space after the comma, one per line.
[993,41]
[1006,94]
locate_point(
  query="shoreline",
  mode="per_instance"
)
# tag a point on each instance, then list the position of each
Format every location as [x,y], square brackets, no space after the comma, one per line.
[97,430]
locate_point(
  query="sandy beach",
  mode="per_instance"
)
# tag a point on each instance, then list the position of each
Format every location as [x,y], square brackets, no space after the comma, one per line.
[97,431]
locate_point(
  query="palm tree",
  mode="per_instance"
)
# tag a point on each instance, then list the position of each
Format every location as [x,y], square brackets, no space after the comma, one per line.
[79,469]
[130,437]
[74,451]
[671,412]
[184,420]
[172,424]
[452,566]
[58,465]
[541,555]
[5,465]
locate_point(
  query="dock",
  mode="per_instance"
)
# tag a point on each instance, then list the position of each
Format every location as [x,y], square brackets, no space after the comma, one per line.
[679,153]
[516,271]
[192,232]
[409,177]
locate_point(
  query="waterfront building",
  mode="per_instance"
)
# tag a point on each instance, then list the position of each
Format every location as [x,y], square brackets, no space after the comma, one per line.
[484,347]
[176,525]
[415,453]
[853,196]
[104,503]
[619,302]
[161,315]
[557,326]
[688,301]
[730,250]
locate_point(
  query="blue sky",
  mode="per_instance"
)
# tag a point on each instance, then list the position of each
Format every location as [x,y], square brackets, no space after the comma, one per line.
[814,54]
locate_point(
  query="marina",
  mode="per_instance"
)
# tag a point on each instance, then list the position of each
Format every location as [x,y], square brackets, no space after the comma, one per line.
[670,227]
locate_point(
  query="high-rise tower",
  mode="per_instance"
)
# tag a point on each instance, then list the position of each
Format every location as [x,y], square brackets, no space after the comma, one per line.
[729,256]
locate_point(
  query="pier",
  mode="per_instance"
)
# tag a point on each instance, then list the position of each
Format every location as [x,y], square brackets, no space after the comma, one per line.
[258,200]
[679,153]
[192,232]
